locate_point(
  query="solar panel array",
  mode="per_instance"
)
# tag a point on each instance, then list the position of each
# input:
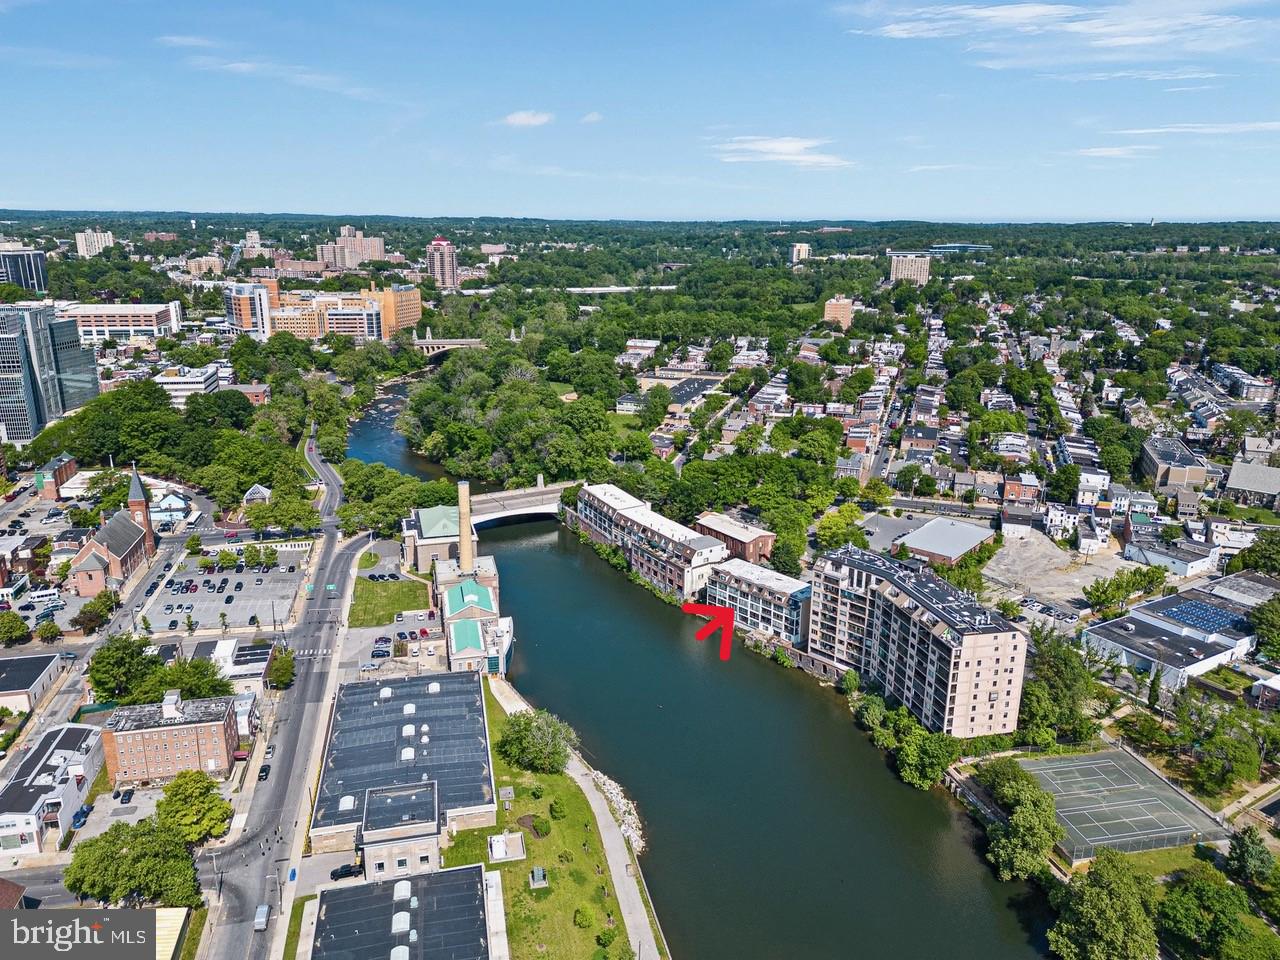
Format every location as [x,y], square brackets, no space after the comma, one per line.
[1205,617]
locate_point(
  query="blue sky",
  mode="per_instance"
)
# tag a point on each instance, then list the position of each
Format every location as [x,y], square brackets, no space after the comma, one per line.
[675,109]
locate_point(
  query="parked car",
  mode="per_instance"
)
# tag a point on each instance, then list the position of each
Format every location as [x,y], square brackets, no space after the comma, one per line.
[269,752]
[257,582]
[127,796]
[345,871]
[370,666]
[173,624]
[229,598]
[402,635]
[264,771]
[239,585]
[253,620]
[380,653]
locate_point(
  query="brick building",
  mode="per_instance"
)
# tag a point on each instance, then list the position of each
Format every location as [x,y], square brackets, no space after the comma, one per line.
[156,741]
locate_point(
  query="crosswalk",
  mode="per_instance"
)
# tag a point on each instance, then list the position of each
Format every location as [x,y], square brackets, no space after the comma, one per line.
[315,652]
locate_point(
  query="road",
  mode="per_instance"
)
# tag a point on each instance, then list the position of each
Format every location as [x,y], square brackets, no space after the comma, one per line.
[246,866]
[948,507]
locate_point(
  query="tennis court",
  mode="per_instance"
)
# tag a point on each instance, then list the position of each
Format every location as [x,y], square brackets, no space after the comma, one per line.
[1110,799]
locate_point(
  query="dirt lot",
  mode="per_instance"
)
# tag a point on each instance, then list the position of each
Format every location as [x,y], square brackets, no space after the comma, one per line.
[1038,566]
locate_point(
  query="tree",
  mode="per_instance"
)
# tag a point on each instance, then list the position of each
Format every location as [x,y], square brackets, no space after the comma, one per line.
[1265,620]
[1018,848]
[222,620]
[48,632]
[227,559]
[850,682]
[1248,859]
[1106,914]
[283,669]
[1062,484]
[841,526]
[144,862]
[654,409]
[923,757]
[119,666]
[193,679]
[877,492]
[193,543]
[1201,912]
[1008,608]
[13,629]
[1224,759]
[193,806]
[537,740]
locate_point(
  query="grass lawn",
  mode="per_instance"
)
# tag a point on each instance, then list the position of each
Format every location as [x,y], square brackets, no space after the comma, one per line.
[624,424]
[1230,679]
[1178,769]
[377,602]
[540,922]
[195,930]
[368,560]
[560,387]
[295,927]
[101,784]
[1161,863]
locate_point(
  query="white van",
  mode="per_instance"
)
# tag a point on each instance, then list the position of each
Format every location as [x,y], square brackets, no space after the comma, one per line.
[262,916]
[42,596]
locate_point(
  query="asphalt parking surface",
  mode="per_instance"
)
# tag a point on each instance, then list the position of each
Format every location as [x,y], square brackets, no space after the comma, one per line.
[277,587]
[882,529]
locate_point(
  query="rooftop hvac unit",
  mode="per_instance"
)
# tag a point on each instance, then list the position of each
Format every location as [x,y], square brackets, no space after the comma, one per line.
[384,693]
[409,708]
[401,891]
[433,687]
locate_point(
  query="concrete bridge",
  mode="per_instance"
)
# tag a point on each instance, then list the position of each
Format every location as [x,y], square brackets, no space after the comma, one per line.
[432,347]
[532,502]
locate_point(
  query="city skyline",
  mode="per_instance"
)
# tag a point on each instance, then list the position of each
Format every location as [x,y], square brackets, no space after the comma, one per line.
[1118,110]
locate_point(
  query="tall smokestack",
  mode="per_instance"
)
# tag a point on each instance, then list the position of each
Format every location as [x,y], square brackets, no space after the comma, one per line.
[466,551]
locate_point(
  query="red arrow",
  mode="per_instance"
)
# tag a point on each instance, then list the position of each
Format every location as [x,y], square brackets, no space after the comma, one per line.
[721,619]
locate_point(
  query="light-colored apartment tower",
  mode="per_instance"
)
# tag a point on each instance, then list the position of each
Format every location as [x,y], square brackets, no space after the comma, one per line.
[956,665]
[248,308]
[199,266]
[799,252]
[400,305]
[90,243]
[442,263]
[839,310]
[909,266]
[351,249]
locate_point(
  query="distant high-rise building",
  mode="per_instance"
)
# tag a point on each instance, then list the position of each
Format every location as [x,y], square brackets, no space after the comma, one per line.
[90,243]
[248,308]
[909,266]
[839,309]
[442,263]
[198,266]
[400,305]
[44,372]
[123,321]
[799,252]
[153,236]
[351,249]
[23,266]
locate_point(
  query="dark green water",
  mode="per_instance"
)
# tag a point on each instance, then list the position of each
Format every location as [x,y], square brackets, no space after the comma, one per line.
[775,829]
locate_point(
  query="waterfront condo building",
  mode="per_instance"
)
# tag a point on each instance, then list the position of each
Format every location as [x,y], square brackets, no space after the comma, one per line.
[44,371]
[23,267]
[442,263]
[909,266]
[122,322]
[955,665]
[762,599]
[667,554]
[156,741]
[90,243]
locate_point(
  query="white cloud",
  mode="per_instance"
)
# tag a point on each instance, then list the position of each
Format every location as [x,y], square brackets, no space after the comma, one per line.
[592,117]
[1207,129]
[185,40]
[1129,152]
[791,151]
[55,59]
[293,74]
[1161,75]
[528,118]
[1030,35]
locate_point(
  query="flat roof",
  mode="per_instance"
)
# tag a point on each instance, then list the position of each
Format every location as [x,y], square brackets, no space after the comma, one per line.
[769,579]
[1171,451]
[735,529]
[1162,646]
[18,674]
[445,909]
[387,807]
[946,537]
[43,767]
[148,716]
[366,744]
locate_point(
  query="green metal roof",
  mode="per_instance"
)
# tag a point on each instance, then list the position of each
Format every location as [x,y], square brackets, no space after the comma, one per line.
[468,594]
[464,636]
[436,522]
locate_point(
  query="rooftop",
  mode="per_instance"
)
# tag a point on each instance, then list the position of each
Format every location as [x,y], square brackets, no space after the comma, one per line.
[947,538]
[148,716]
[729,527]
[466,594]
[763,576]
[448,744]
[390,807]
[436,522]
[430,916]
[1171,451]
[18,674]
[46,765]
[1153,643]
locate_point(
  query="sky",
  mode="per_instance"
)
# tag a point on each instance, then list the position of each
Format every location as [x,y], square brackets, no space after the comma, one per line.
[672,109]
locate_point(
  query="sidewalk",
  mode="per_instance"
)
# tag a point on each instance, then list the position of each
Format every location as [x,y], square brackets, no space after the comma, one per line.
[625,882]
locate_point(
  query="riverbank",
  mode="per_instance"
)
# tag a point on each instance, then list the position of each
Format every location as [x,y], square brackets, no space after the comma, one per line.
[613,835]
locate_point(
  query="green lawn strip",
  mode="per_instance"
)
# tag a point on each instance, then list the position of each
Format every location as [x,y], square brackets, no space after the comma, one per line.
[648,906]
[1230,679]
[377,602]
[624,424]
[540,922]
[1162,863]
[195,930]
[295,927]
[306,464]
[101,784]
[368,559]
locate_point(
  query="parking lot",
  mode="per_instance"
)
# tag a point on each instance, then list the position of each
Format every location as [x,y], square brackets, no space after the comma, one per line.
[265,596]
[108,811]
[432,656]
[882,529]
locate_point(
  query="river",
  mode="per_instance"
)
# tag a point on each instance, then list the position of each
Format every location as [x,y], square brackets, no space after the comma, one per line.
[775,829]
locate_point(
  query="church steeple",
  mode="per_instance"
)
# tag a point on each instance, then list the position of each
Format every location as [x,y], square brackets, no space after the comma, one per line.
[140,510]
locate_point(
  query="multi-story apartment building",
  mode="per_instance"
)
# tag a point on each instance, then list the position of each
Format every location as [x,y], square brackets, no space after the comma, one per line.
[669,555]
[181,382]
[400,305]
[762,599]
[248,307]
[199,266]
[121,322]
[157,236]
[44,371]
[441,261]
[48,786]
[1241,384]
[956,666]
[23,267]
[800,252]
[351,249]
[909,266]
[1169,463]
[157,741]
[744,541]
[839,310]
[90,243]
